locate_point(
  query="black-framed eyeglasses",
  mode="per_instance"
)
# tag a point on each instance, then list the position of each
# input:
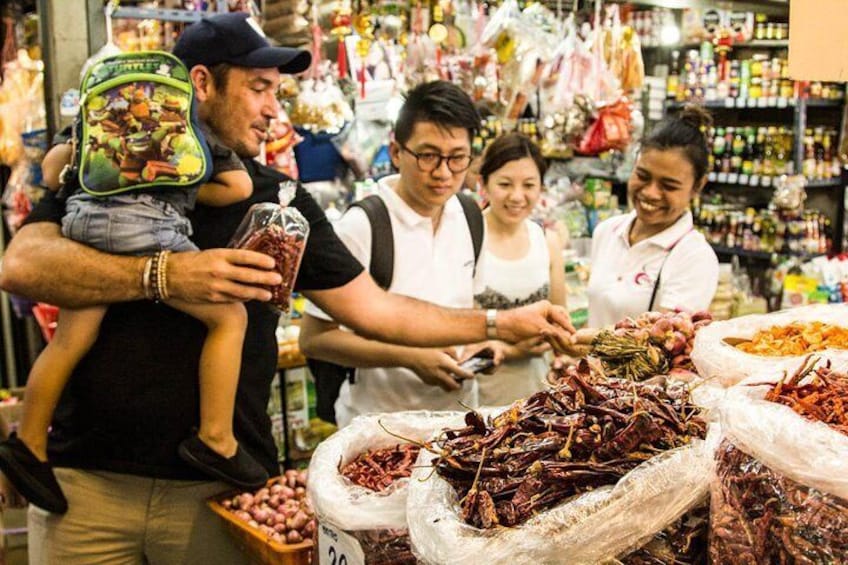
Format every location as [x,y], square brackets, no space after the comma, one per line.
[429,161]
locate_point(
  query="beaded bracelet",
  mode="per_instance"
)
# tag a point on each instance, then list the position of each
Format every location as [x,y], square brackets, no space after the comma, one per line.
[155,277]
[162,278]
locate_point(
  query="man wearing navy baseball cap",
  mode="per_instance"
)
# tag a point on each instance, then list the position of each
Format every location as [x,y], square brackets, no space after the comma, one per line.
[134,397]
[236,39]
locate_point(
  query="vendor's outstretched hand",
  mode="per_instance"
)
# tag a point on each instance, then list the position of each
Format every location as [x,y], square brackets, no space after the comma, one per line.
[581,342]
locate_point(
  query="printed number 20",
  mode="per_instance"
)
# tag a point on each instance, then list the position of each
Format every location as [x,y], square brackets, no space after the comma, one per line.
[342,558]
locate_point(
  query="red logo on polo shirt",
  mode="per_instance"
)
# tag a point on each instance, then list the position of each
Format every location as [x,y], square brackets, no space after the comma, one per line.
[643,279]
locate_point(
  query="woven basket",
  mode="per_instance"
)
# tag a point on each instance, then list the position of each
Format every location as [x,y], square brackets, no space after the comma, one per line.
[257,545]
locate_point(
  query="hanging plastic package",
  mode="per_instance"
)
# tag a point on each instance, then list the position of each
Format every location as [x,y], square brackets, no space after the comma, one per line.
[780,494]
[279,231]
[366,525]
[718,352]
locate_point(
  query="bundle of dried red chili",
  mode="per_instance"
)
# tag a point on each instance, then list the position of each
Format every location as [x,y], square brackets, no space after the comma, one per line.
[824,398]
[379,468]
[760,517]
[559,443]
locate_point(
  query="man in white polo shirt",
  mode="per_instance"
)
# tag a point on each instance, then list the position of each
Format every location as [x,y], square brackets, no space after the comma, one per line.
[434,260]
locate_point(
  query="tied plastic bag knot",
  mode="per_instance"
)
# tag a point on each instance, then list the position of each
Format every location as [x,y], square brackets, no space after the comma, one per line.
[279,232]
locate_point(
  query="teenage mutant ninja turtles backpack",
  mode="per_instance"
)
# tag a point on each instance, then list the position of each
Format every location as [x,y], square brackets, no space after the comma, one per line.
[137,127]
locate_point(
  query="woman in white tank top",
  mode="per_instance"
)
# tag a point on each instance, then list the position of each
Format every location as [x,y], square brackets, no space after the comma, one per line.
[523,263]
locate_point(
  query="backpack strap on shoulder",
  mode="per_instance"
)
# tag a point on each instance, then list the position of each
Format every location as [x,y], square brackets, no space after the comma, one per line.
[382,254]
[474,217]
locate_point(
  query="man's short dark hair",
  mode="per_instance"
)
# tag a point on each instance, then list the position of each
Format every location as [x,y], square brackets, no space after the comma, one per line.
[220,75]
[439,102]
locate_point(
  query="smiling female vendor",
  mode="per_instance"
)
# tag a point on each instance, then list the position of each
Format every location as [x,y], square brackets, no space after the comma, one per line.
[652,258]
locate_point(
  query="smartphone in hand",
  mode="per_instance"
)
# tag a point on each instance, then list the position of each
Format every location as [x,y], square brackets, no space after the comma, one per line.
[480,361]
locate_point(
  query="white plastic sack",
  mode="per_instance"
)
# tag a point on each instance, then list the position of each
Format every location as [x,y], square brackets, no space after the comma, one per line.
[348,506]
[715,359]
[598,525]
[805,451]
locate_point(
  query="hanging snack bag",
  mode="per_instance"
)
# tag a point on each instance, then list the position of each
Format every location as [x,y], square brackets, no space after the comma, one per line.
[780,494]
[281,232]
[359,479]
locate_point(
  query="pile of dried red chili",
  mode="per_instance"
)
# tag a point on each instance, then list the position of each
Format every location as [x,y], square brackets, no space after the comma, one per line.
[379,468]
[758,515]
[824,398]
[561,442]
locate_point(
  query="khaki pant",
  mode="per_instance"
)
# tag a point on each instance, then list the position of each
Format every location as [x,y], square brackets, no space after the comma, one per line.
[119,519]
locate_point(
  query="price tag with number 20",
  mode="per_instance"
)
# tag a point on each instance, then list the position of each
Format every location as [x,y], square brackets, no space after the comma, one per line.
[338,548]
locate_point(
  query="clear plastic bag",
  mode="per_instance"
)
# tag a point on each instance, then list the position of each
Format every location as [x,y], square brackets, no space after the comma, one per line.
[280,232]
[376,519]
[598,525]
[716,359]
[781,477]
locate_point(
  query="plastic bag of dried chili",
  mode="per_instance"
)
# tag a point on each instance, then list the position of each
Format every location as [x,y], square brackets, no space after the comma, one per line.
[780,494]
[280,232]
[373,521]
[603,524]
[718,358]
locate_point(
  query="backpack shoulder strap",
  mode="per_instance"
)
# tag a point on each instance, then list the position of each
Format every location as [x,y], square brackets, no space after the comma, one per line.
[382,255]
[474,217]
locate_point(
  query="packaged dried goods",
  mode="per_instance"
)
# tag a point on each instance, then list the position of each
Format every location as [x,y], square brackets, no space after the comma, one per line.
[278,231]
[578,474]
[727,352]
[781,490]
[359,481]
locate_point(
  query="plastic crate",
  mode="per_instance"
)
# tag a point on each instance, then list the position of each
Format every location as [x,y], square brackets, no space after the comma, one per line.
[255,543]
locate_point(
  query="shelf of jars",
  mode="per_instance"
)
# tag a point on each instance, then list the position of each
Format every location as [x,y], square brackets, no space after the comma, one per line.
[741,252]
[753,103]
[752,44]
[751,180]
[763,234]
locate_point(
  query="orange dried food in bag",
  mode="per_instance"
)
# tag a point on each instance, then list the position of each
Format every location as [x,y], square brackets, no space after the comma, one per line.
[797,338]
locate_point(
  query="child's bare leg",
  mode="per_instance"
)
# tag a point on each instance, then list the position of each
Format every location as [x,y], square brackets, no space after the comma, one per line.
[76,332]
[220,364]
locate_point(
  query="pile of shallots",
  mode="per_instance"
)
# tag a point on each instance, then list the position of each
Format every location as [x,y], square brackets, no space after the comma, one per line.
[279,510]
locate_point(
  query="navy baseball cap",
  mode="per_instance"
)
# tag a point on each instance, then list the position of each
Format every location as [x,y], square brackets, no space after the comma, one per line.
[236,39]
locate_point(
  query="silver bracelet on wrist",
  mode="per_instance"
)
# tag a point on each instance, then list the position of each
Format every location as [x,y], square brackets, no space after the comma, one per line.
[491,323]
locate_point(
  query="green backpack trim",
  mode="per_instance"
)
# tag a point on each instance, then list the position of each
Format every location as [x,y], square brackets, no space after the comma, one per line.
[137,126]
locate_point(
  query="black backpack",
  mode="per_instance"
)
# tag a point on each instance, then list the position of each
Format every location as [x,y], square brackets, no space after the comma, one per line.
[329,377]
